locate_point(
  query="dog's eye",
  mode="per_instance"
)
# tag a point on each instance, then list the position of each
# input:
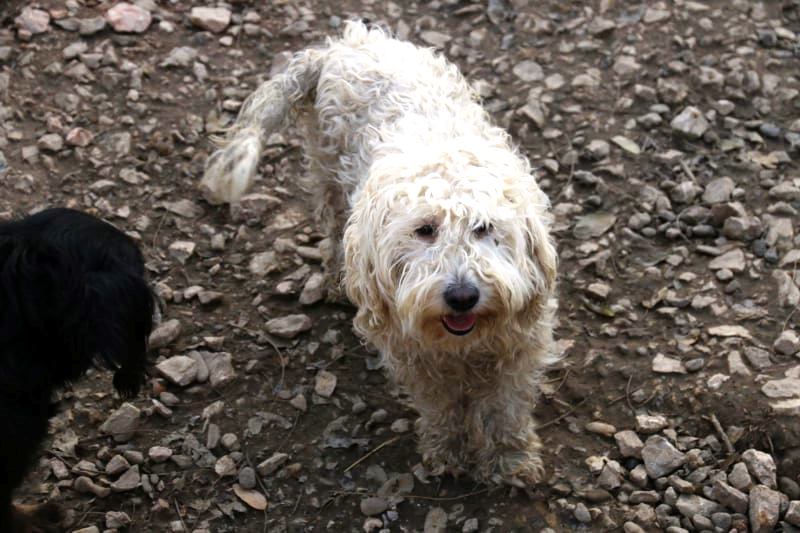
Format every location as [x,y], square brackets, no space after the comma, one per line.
[482,230]
[426,231]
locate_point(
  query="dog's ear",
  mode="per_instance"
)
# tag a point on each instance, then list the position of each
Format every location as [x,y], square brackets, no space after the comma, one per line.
[541,259]
[362,276]
[121,314]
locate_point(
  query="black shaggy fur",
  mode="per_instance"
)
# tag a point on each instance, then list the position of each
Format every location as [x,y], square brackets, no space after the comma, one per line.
[72,290]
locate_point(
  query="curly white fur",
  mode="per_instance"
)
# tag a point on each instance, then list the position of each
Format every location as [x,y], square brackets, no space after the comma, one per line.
[397,141]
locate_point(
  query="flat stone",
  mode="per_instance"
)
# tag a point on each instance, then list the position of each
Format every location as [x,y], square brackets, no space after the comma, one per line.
[793,513]
[85,485]
[220,368]
[117,465]
[729,331]
[90,26]
[325,383]
[179,370]
[166,333]
[225,466]
[732,260]
[128,481]
[718,190]
[263,263]
[787,343]
[128,18]
[213,19]
[629,443]
[651,423]
[786,407]
[761,466]
[528,71]
[79,137]
[690,122]
[435,521]
[788,292]
[180,56]
[182,250]
[601,428]
[782,388]
[374,506]
[50,142]
[739,477]
[314,290]
[272,464]
[159,454]
[764,511]
[593,225]
[730,497]
[435,38]
[757,357]
[289,326]
[667,365]
[122,423]
[32,20]
[691,504]
[661,457]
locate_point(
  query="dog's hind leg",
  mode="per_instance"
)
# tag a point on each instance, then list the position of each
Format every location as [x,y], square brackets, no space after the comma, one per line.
[26,417]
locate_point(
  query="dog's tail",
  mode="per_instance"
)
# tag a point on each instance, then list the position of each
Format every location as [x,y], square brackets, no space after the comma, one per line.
[231,169]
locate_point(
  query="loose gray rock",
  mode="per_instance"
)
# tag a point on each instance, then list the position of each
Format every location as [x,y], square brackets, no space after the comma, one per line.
[793,513]
[732,260]
[730,497]
[272,464]
[374,506]
[661,457]
[651,423]
[761,466]
[122,423]
[314,289]
[739,477]
[179,370]
[213,19]
[764,511]
[180,56]
[85,485]
[288,327]
[128,481]
[165,334]
[325,383]
[691,504]
[117,520]
[787,343]
[34,21]
[435,521]
[690,122]
[128,18]
[220,368]
[528,71]
[718,190]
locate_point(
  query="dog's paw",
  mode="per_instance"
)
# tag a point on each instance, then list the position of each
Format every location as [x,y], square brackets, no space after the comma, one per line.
[519,469]
[439,463]
[42,518]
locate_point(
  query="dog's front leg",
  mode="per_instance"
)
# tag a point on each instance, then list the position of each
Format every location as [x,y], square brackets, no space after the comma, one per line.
[501,434]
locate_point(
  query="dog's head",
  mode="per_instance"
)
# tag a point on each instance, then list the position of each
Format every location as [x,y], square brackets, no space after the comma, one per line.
[71,290]
[449,247]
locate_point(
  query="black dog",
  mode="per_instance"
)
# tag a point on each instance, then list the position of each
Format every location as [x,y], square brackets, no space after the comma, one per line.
[72,290]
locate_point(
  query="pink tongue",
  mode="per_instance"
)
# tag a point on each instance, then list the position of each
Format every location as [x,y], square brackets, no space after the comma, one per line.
[460,322]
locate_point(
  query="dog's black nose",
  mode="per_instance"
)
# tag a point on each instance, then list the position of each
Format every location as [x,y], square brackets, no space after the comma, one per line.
[462,296]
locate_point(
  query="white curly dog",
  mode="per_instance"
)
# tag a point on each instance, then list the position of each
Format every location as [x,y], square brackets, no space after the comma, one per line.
[446,251]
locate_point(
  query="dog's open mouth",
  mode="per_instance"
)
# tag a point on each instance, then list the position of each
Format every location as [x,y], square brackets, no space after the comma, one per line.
[459,324]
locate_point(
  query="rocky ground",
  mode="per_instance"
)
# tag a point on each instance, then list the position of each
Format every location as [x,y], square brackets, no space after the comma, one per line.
[667,136]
